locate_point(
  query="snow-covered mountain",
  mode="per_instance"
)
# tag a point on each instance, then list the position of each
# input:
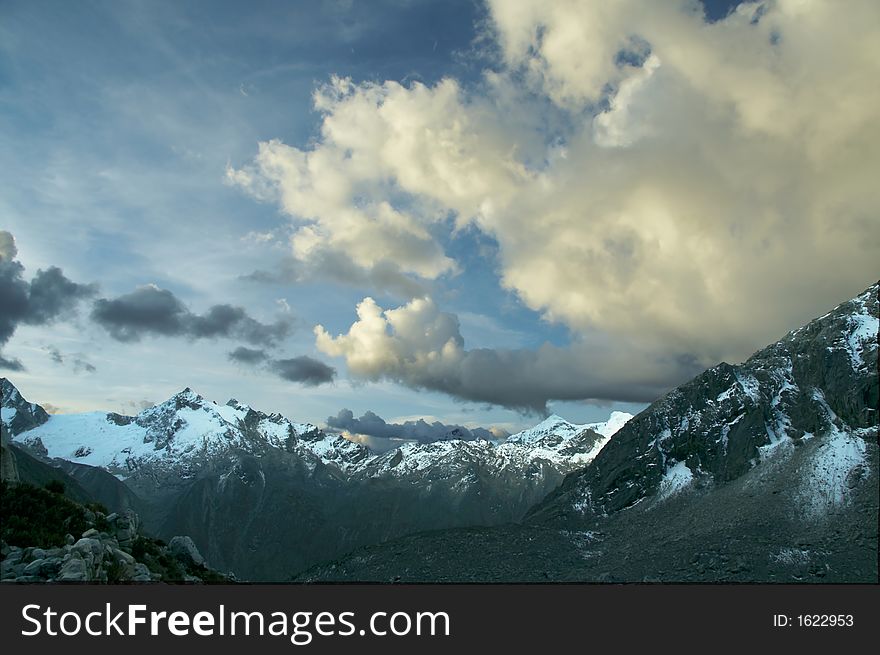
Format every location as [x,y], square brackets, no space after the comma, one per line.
[186,432]
[553,445]
[180,436]
[17,414]
[555,426]
[224,473]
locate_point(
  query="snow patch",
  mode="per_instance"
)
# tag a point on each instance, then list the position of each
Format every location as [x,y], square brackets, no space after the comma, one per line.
[610,427]
[676,479]
[792,556]
[750,385]
[9,415]
[862,335]
[829,476]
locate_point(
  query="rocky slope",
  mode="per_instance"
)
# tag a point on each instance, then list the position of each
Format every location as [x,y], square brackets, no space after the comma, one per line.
[37,542]
[766,471]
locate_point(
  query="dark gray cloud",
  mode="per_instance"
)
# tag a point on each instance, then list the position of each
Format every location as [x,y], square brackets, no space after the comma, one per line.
[82,366]
[373,425]
[250,356]
[46,298]
[304,370]
[151,311]
[12,364]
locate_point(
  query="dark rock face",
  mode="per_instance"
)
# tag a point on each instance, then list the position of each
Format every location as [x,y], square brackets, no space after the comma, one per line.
[818,379]
[24,415]
[8,465]
[39,473]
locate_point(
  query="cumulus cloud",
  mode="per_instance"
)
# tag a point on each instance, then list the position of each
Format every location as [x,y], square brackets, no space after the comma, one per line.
[152,311]
[372,425]
[304,370]
[48,296]
[671,190]
[421,347]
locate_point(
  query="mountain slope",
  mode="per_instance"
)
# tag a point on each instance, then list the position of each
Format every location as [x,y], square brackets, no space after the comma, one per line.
[819,381]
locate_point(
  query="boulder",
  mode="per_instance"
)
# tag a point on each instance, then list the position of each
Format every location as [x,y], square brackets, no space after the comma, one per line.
[74,569]
[185,550]
[124,526]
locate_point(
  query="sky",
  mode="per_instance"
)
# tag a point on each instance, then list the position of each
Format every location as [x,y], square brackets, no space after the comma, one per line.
[385,215]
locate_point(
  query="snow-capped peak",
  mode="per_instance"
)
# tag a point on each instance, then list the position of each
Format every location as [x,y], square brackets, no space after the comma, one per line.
[185,397]
[557,426]
[553,425]
[610,427]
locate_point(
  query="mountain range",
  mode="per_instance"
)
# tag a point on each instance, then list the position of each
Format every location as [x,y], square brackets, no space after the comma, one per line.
[265,497]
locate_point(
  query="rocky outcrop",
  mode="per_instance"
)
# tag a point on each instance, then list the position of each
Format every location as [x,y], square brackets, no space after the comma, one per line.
[110,549]
[18,415]
[97,556]
[185,550]
[8,465]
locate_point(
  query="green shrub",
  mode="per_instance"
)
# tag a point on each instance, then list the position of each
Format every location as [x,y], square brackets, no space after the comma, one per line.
[31,516]
[55,486]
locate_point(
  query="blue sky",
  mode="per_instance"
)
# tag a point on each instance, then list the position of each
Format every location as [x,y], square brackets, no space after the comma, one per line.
[130,140]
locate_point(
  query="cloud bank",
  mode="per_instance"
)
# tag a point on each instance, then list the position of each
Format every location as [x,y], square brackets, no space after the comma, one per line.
[375,427]
[675,192]
[421,347]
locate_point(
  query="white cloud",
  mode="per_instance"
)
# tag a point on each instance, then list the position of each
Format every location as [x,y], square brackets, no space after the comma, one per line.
[724,196]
